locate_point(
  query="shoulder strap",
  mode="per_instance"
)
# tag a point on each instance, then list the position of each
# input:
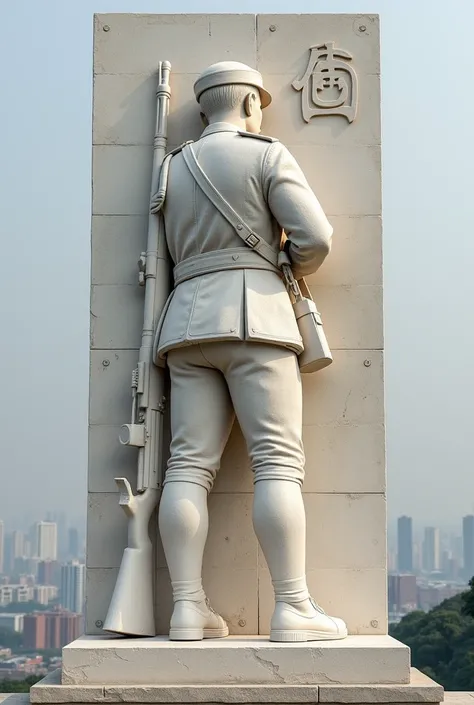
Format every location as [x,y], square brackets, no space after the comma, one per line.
[243,230]
[158,198]
[257,136]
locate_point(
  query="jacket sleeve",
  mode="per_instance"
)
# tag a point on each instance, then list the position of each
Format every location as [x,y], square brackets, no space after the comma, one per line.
[297,210]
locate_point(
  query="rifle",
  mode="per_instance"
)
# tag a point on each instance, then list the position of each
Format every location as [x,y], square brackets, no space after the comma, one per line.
[131,607]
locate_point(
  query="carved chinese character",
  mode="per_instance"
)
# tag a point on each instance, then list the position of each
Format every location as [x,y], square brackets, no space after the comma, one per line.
[329,84]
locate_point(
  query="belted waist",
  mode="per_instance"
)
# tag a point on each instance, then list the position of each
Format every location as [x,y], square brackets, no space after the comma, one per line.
[220,260]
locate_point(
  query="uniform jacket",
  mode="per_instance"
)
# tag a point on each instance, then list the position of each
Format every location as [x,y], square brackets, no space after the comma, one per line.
[264,184]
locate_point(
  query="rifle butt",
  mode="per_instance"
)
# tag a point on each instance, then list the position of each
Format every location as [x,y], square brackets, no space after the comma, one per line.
[131,607]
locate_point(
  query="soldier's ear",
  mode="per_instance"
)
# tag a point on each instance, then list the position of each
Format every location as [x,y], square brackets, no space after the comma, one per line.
[204,120]
[248,104]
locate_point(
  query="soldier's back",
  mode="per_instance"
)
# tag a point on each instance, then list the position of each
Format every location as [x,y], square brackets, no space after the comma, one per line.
[235,163]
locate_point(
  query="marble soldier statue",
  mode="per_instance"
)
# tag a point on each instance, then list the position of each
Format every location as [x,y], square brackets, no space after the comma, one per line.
[231,342]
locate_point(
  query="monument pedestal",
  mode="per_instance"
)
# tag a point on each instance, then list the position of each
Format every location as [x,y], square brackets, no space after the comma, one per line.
[360,669]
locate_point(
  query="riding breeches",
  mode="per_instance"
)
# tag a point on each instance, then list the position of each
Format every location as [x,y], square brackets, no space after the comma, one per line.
[211,383]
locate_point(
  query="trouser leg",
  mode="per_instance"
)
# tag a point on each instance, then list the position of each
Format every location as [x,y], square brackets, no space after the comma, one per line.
[201,420]
[265,386]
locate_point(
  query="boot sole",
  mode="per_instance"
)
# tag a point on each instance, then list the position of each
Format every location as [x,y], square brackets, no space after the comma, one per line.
[302,635]
[178,634]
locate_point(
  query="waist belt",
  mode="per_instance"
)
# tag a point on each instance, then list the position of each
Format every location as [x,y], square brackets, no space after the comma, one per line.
[220,260]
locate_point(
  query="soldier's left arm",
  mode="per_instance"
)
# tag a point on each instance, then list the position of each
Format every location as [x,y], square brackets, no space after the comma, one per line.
[296,209]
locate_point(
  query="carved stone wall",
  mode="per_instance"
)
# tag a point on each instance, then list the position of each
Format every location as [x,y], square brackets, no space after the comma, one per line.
[343,405]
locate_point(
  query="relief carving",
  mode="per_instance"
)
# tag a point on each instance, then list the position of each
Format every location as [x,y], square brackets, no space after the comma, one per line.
[329,84]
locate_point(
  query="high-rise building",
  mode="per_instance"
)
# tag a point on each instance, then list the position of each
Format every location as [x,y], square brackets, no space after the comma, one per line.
[72,586]
[27,548]
[44,594]
[431,550]
[2,545]
[468,545]
[73,543]
[18,544]
[49,573]
[50,630]
[25,566]
[402,593]
[405,545]
[47,540]
[14,548]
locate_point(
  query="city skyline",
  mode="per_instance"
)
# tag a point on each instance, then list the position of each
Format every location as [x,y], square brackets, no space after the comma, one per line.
[432,552]
[23,550]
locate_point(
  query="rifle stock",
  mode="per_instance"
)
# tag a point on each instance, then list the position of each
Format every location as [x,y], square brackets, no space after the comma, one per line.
[131,608]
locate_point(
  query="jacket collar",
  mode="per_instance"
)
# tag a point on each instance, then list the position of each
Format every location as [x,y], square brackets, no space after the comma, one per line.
[219,127]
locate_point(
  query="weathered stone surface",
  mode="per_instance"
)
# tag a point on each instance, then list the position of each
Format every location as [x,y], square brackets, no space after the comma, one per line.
[420,689]
[283,48]
[182,39]
[236,660]
[50,690]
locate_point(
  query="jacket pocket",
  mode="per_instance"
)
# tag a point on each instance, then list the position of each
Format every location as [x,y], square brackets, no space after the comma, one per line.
[175,322]
[217,307]
[269,313]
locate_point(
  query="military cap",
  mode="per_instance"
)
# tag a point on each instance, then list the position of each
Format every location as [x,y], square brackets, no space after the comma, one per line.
[229,72]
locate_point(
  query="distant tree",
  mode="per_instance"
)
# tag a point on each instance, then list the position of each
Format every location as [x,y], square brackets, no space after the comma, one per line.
[14,686]
[442,641]
[468,599]
[9,639]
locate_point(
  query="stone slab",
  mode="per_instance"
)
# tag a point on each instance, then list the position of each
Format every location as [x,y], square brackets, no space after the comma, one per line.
[283,40]
[357,451]
[347,180]
[234,661]
[51,690]
[420,689]
[343,406]
[352,316]
[356,253]
[231,36]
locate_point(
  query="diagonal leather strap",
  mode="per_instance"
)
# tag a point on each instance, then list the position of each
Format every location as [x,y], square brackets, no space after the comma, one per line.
[244,231]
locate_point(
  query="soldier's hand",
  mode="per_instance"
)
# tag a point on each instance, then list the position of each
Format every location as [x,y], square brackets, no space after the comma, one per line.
[155,203]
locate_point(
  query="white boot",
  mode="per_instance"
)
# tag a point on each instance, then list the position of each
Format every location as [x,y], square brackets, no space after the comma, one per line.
[305,622]
[193,621]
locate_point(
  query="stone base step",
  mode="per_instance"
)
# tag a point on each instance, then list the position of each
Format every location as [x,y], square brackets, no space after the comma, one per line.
[420,689]
[234,661]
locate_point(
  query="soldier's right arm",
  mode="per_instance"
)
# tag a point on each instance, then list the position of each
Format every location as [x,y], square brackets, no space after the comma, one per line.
[296,209]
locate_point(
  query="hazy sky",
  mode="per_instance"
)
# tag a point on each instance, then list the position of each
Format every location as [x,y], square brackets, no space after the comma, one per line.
[45,120]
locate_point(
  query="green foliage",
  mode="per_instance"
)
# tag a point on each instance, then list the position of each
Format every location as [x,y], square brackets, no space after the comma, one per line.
[23,686]
[9,639]
[468,600]
[442,641]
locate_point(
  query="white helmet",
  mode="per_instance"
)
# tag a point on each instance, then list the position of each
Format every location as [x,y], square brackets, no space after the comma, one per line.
[231,72]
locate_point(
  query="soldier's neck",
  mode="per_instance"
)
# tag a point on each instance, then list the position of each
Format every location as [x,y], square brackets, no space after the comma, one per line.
[230,119]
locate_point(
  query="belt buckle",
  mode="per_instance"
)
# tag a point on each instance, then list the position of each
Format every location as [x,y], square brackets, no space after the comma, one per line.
[253,240]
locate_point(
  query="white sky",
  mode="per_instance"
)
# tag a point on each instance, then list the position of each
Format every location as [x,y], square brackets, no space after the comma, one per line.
[45,122]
